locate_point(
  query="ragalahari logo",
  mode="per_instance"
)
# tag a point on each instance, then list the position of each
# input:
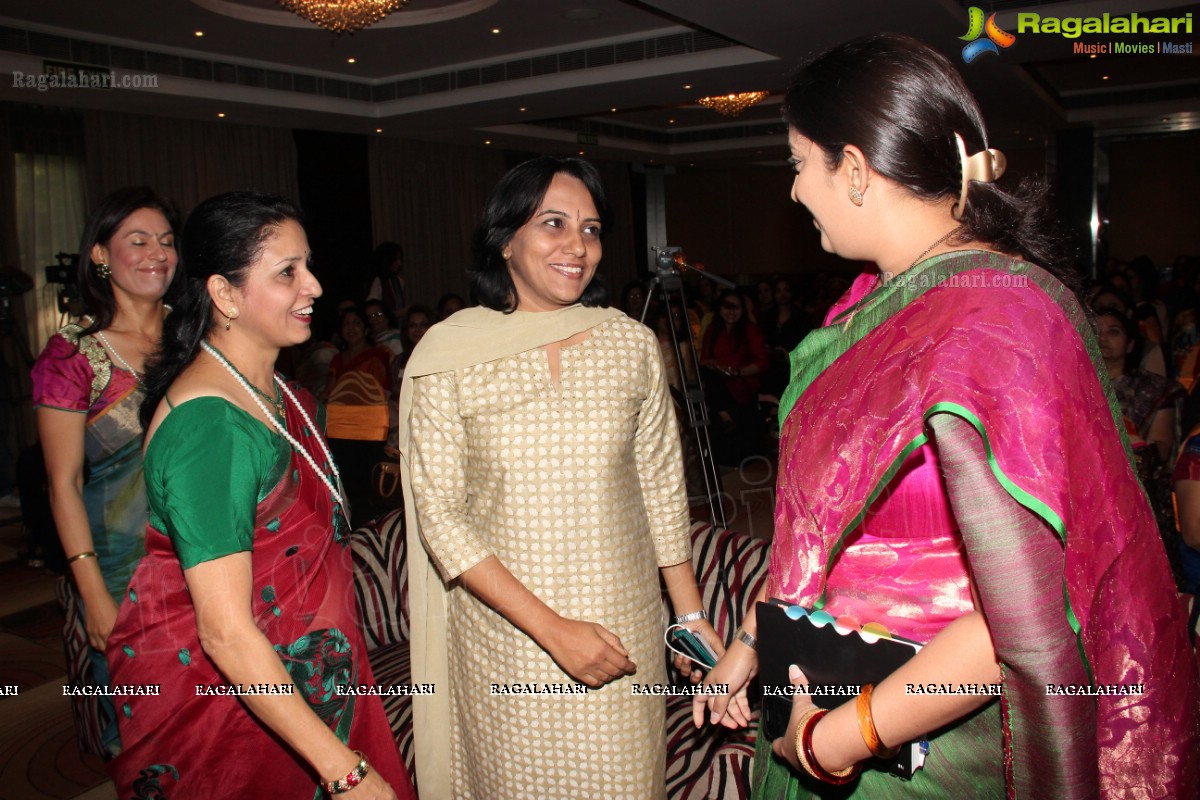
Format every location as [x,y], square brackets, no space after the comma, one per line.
[996,38]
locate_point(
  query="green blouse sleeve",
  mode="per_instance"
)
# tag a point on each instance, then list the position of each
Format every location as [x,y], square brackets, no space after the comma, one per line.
[207,468]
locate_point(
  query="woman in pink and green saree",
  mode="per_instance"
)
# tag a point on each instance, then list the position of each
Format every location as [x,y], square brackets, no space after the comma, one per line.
[953,466]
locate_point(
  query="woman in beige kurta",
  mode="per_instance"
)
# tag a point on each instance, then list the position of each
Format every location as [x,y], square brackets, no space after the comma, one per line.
[545,467]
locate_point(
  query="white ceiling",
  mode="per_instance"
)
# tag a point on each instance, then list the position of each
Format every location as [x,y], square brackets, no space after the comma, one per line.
[558,68]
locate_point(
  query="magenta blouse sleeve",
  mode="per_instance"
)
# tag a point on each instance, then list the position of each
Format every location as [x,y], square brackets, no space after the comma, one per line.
[62,377]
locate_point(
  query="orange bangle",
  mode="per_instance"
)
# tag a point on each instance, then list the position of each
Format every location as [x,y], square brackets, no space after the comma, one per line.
[866,725]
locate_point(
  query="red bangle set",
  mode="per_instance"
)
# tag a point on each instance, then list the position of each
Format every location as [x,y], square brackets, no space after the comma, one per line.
[808,760]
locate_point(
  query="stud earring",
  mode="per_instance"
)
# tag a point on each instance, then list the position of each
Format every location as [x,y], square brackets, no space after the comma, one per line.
[856,196]
[103,271]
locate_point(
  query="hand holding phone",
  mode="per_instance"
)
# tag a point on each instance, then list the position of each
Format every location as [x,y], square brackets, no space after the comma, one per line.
[689,645]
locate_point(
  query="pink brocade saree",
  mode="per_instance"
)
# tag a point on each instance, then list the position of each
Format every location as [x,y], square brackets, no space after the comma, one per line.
[1005,347]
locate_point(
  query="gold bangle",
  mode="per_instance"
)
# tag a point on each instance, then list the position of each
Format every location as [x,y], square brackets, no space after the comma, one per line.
[81,556]
[801,756]
[808,758]
[866,725]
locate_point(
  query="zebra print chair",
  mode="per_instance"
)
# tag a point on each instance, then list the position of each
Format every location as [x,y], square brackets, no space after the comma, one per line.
[704,764]
[710,762]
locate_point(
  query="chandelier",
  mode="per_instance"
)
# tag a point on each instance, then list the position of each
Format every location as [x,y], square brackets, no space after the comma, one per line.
[343,16]
[732,105]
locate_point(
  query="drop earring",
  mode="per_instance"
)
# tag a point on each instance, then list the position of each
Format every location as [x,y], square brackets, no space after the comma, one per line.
[230,316]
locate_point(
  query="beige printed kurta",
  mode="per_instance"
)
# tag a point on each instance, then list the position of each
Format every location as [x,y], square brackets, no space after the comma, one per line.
[577,489]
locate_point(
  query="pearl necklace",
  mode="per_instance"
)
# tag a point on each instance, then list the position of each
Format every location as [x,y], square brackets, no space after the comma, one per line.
[337,491]
[117,355]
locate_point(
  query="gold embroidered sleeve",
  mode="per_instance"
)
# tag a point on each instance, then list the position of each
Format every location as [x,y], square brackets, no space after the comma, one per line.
[439,453]
[660,464]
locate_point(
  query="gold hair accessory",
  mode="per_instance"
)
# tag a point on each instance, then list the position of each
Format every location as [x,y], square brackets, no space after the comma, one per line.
[103,271]
[985,166]
[856,196]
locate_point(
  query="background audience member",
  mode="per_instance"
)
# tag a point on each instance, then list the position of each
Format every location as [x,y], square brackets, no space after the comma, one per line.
[387,265]
[633,299]
[384,328]
[1186,485]
[783,326]
[1148,403]
[87,387]
[735,357]
[448,304]
[361,382]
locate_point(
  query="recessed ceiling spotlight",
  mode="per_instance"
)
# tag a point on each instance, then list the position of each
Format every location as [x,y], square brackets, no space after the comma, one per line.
[351,60]
[379,130]
[198,34]
[670,122]
[522,108]
[495,30]
[221,114]
[581,153]
[687,86]
[613,109]
[1103,77]
[1093,55]
[581,13]
[487,141]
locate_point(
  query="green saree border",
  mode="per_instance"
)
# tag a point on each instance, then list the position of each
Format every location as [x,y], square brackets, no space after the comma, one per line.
[1025,498]
[824,346]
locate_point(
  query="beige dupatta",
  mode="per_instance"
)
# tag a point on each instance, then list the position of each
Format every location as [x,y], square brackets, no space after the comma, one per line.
[472,336]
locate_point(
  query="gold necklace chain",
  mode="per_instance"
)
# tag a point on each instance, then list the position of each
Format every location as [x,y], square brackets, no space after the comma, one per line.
[927,250]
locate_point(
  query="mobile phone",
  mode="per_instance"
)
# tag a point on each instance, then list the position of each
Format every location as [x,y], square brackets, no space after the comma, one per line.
[694,647]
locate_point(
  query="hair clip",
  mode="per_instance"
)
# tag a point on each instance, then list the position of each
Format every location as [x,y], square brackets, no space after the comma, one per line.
[985,166]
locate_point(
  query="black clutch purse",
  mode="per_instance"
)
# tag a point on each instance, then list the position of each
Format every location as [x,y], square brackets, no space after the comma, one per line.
[837,661]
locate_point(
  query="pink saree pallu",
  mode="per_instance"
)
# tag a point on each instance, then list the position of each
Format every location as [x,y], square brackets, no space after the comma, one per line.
[1100,693]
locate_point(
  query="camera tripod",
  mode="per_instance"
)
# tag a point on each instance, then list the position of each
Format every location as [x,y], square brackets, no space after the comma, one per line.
[667,279]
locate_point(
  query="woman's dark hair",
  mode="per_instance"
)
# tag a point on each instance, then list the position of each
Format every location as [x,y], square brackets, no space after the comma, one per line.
[415,308]
[223,236]
[445,299]
[513,202]
[384,256]
[1117,300]
[102,225]
[901,102]
[355,311]
[737,330]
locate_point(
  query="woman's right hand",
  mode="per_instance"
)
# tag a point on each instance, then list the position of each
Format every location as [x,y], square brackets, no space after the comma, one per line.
[373,787]
[735,668]
[588,652]
[101,615]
